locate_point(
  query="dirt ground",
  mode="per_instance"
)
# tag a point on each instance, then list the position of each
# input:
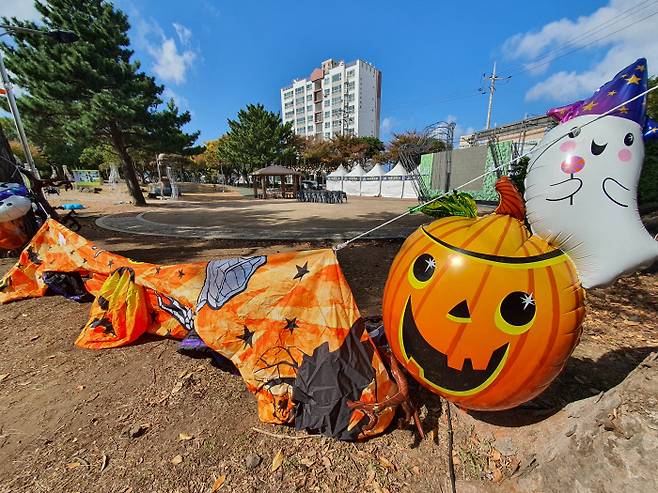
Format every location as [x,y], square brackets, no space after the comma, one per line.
[144,418]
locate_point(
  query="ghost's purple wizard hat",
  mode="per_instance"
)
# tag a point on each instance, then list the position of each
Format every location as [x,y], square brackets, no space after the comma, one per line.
[627,84]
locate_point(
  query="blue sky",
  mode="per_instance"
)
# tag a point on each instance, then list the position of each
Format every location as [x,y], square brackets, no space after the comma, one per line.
[214,57]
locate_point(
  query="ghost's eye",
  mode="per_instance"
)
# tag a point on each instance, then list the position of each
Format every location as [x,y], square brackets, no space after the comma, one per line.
[516,313]
[575,132]
[628,140]
[422,270]
[598,149]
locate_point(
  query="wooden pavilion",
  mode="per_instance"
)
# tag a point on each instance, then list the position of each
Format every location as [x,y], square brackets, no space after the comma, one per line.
[260,177]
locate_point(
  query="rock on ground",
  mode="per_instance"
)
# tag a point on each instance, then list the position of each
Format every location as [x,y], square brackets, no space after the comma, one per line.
[608,443]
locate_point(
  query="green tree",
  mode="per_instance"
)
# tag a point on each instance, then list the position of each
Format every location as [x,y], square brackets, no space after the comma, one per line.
[90,91]
[648,186]
[257,138]
[8,128]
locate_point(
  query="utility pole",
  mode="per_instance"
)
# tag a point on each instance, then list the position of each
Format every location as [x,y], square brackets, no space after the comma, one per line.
[17,118]
[492,88]
[57,37]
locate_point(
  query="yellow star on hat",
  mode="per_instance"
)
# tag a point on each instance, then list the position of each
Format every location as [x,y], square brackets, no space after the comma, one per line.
[633,79]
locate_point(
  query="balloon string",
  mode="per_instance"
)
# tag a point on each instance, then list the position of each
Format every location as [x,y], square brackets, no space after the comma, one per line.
[342,245]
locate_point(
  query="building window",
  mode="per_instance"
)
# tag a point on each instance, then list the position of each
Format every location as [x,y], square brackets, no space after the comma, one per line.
[326,92]
[309,108]
[290,114]
[299,90]
[310,128]
[350,85]
[300,111]
[350,73]
[327,102]
[350,107]
[336,78]
[301,121]
[327,114]
[335,89]
[309,97]
[327,135]
[287,95]
[336,101]
[350,97]
[309,119]
[299,101]
[289,104]
[327,125]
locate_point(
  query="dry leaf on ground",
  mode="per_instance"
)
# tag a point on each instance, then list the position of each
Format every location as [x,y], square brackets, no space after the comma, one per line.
[277,461]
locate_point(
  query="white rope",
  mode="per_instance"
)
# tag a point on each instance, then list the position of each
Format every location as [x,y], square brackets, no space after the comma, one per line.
[342,245]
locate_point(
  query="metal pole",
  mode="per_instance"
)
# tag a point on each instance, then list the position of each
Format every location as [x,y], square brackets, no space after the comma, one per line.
[17,118]
[492,88]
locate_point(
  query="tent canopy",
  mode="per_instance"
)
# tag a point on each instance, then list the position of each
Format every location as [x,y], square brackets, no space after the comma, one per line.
[357,171]
[398,170]
[275,170]
[340,171]
[377,170]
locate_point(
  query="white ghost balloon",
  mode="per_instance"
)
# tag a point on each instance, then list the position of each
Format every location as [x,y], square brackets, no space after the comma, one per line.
[13,207]
[581,196]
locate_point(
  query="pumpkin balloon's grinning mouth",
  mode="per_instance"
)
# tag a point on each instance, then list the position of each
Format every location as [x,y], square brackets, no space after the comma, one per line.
[433,364]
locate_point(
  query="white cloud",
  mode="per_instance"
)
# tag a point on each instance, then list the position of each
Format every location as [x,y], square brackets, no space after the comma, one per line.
[182,102]
[184,34]
[171,62]
[601,29]
[387,125]
[21,9]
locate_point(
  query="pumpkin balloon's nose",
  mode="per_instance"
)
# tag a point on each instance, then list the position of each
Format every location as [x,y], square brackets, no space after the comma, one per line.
[572,164]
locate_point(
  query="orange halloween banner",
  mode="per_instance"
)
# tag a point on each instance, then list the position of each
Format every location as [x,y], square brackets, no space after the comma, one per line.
[288,322]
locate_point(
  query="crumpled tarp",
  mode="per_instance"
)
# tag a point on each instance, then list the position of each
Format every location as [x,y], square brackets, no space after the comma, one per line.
[288,322]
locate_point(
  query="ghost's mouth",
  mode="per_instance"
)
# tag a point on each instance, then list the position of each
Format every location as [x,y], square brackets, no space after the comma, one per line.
[573,187]
[606,186]
[433,364]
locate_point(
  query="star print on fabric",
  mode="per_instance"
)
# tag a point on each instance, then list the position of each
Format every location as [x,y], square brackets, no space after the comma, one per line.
[110,263]
[180,274]
[527,300]
[157,270]
[247,337]
[633,79]
[623,110]
[590,106]
[640,68]
[291,324]
[612,93]
[301,271]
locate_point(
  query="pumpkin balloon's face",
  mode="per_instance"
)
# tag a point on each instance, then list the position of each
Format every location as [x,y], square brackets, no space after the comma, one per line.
[481,312]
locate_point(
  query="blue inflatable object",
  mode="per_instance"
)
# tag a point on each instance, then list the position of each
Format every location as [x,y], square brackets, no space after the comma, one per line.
[9,189]
[72,207]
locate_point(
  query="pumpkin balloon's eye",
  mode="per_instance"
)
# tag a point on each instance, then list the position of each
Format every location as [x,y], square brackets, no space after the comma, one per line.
[628,140]
[422,270]
[516,313]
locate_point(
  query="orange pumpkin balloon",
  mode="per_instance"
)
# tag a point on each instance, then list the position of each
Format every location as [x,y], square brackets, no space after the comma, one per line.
[480,311]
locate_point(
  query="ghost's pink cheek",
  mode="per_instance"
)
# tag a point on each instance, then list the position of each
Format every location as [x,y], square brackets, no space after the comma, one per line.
[567,146]
[572,164]
[624,155]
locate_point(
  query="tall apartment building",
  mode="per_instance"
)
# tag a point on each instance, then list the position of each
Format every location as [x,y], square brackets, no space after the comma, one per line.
[336,99]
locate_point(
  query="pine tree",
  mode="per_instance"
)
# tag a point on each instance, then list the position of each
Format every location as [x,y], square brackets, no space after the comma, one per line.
[256,139]
[90,91]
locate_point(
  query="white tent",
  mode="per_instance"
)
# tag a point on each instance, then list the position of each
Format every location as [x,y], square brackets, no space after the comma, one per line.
[372,181]
[352,181]
[397,183]
[335,178]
